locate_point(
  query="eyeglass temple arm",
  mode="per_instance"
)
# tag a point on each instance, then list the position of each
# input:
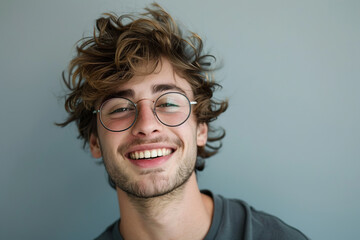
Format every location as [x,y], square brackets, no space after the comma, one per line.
[193,103]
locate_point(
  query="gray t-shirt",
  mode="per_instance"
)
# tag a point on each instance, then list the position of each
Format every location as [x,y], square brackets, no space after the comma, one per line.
[233,219]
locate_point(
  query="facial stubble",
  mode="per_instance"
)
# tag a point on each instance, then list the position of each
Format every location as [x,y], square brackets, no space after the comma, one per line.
[154,182]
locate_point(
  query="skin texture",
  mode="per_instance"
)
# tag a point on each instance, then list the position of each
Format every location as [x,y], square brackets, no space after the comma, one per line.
[161,196]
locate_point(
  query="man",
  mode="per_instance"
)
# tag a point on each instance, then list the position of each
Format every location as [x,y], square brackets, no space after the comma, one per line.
[141,95]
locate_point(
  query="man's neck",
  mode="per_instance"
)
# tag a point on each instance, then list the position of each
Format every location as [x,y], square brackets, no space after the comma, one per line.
[183,214]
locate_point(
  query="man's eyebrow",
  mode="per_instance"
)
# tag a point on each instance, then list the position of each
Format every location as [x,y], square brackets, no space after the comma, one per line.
[164,87]
[128,93]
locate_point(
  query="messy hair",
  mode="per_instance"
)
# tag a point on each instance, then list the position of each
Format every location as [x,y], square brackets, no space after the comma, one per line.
[112,56]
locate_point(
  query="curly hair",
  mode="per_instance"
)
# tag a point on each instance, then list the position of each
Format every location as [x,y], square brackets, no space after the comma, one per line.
[112,56]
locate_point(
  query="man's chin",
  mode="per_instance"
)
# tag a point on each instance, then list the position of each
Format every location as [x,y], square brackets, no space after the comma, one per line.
[154,184]
[149,189]
[154,187]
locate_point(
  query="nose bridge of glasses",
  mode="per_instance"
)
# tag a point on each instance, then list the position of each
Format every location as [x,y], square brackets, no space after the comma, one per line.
[143,99]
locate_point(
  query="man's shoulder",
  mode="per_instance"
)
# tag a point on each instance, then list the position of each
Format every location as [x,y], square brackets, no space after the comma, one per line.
[267,226]
[236,217]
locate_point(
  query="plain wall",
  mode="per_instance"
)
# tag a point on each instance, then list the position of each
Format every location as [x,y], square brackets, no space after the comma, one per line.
[292,75]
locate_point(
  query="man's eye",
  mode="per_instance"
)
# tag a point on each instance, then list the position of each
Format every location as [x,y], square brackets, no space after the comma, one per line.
[164,105]
[122,110]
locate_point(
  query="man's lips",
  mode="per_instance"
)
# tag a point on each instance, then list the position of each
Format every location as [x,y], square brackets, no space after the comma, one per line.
[150,153]
[150,156]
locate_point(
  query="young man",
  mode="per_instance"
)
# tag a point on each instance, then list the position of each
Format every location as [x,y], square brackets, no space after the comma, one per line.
[141,96]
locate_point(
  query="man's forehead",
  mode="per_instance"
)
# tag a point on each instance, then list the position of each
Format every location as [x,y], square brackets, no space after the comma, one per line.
[163,78]
[156,82]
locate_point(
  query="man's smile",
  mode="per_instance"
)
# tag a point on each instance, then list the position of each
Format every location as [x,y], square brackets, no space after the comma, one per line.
[149,154]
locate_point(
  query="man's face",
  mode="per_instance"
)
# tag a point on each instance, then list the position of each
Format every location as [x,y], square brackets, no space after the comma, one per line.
[150,177]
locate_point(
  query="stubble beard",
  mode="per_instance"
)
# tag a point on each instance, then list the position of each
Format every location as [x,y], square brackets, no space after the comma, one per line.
[151,183]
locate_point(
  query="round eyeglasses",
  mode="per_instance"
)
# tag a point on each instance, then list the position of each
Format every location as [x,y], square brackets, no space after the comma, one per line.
[119,114]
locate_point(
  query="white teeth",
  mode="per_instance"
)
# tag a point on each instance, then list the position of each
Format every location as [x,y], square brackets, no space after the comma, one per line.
[150,153]
[154,153]
[166,151]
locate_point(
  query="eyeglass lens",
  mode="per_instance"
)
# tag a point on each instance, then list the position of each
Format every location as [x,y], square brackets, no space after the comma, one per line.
[118,114]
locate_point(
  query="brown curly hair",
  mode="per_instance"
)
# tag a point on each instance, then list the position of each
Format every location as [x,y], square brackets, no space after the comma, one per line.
[112,56]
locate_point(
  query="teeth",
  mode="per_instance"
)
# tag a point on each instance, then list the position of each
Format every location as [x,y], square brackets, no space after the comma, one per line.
[150,153]
[154,153]
[147,154]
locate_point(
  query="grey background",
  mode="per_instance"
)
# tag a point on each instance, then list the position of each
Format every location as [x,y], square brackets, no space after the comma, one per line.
[291,72]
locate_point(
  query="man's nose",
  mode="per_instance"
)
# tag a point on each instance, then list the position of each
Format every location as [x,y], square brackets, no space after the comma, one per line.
[146,122]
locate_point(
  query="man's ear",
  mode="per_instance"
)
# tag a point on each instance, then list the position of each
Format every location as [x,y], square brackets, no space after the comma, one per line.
[94,146]
[202,133]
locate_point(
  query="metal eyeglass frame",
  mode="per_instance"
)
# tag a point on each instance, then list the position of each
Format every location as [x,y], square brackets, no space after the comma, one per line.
[153,110]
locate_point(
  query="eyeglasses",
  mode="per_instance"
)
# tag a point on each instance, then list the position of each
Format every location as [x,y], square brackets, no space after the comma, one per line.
[119,114]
